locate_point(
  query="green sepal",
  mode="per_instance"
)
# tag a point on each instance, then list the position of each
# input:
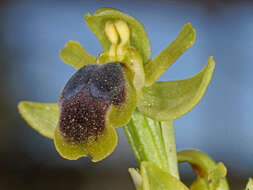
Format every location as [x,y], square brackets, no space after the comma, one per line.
[168,56]
[97,149]
[74,54]
[164,101]
[138,36]
[210,176]
[156,179]
[42,117]
[249,185]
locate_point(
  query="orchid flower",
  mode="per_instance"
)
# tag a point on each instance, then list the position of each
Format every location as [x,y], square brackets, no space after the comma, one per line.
[106,90]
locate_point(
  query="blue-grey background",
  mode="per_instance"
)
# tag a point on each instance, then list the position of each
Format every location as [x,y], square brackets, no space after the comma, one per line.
[33,32]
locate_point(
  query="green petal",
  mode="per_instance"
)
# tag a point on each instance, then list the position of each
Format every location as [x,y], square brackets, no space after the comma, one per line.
[120,115]
[74,54]
[97,149]
[156,179]
[161,62]
[249,185]
[211,176]
[40,116]
[138,36]
[169,100]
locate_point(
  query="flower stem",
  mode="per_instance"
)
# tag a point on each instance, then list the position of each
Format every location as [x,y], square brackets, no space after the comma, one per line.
[153,141]
[170,144]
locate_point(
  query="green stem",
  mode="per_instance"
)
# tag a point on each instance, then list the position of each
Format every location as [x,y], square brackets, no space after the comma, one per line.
[170,143]
[153,141]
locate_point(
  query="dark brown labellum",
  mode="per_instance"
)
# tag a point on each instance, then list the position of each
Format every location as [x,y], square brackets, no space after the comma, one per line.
[87,97]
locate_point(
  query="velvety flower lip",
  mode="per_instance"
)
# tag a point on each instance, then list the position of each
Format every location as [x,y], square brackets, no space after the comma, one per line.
[82,117]
[86,99]
[106,90]
[103,81]
[78,82]
[89,105]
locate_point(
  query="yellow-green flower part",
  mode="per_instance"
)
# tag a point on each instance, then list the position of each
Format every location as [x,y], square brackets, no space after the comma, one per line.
[210,175]
[105,91]
[151,177]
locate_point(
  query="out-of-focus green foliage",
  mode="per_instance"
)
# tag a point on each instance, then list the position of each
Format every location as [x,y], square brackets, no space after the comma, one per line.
[211,176]
[151,177]
[249,185]
[136,177]
[156,179]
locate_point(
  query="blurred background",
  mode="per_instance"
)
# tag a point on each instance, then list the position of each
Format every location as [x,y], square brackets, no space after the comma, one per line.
[33,31]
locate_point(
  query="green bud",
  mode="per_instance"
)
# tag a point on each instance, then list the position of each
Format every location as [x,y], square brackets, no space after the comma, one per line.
[210,176]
